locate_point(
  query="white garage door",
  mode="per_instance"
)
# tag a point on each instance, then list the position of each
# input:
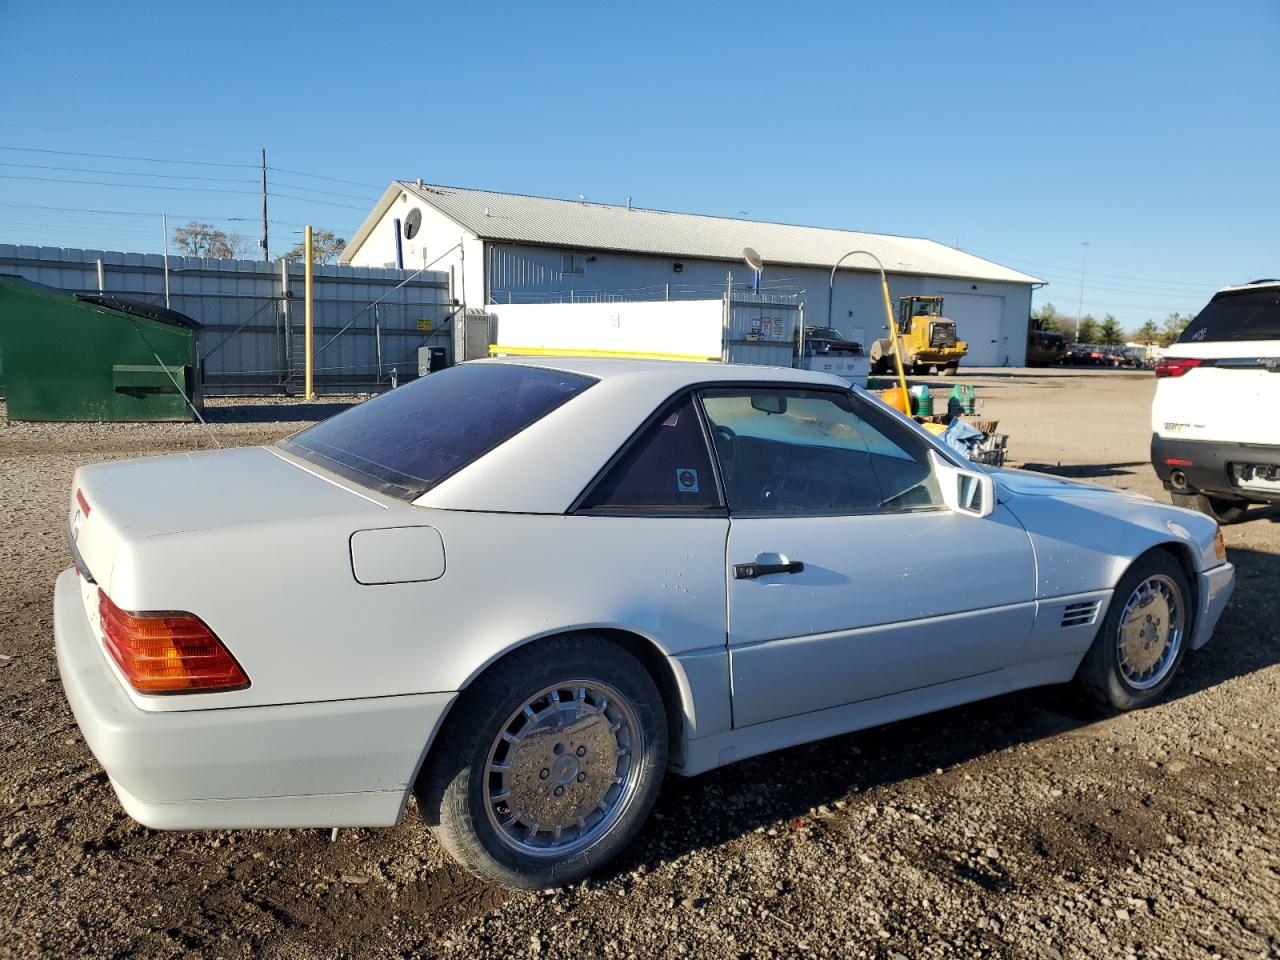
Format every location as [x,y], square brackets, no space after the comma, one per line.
[977,321]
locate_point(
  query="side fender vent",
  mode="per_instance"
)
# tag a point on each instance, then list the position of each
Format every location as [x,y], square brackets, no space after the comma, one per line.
[1080,614]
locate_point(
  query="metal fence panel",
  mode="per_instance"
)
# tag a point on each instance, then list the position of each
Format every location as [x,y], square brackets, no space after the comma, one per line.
[761,329]
[369,322]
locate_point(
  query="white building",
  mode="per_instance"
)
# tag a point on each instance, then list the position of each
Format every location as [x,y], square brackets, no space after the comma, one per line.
[501,247]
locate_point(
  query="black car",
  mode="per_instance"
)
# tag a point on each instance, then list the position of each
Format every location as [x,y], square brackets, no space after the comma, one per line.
[829,340]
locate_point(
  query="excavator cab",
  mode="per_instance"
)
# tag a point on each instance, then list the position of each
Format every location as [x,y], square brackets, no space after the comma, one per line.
[911,307]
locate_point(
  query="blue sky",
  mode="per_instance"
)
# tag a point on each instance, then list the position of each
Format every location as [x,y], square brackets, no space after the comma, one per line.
[1017,130]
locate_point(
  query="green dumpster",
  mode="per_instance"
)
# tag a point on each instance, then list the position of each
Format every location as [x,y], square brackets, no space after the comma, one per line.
[94,357]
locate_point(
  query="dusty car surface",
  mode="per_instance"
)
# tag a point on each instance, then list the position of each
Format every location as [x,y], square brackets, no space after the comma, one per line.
[523,590]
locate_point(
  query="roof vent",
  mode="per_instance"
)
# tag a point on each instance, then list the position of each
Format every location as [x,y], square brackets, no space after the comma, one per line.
[628,203]
[419,183]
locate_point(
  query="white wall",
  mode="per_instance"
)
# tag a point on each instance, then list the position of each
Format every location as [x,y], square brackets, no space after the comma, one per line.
[527,272]
[433,244]
[691,329]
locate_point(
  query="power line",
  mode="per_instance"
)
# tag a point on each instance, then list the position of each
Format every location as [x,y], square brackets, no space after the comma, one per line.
[138,213]
[131,186]
[318,176]
[1095,273]
[326,203]
[126,173]
[325,193]
[113,156]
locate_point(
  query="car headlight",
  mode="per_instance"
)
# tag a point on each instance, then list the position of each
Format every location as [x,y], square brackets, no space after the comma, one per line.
[1220,544]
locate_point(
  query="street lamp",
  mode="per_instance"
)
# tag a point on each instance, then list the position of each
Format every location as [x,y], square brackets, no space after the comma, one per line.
[888,312]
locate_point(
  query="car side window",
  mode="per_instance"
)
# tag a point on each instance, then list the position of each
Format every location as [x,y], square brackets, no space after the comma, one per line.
[815,452]
[665,469]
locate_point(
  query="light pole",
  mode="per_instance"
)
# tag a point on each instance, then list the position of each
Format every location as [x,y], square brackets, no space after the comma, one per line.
[888,313]
[1084,257]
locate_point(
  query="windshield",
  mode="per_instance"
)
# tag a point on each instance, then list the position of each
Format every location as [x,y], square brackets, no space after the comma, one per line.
[824,333]
[1252,315]
[406,441]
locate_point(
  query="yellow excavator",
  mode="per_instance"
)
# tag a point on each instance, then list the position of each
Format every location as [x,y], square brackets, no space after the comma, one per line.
[928,340]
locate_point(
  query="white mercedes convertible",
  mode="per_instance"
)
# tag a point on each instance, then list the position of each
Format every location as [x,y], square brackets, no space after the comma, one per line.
[523,591]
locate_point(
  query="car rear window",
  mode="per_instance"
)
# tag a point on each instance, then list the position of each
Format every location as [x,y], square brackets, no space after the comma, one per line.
[1254,315]
[406,441]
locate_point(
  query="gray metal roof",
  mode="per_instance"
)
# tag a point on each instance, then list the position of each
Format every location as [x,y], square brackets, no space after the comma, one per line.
[580,225]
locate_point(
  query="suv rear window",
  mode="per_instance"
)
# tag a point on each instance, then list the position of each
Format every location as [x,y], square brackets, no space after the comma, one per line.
[406,441]
[1251,315]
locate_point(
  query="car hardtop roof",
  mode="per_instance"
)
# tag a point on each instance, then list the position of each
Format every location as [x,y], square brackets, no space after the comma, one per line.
[1246,287]
[672,373]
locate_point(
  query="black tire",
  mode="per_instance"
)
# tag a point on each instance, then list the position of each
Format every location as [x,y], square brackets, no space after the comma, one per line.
[948,369]
[1223,510]
[879,366]
[1100,677]
[453,788]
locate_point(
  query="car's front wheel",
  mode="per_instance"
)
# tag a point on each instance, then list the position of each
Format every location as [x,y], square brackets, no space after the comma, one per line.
[549,764]
[1143,638]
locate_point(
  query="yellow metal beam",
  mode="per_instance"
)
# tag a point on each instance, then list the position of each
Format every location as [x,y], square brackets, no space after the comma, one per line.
[897,345]
[498,350]
[309,307]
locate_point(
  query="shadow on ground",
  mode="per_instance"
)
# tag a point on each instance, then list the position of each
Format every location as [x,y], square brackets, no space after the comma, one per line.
[709,810]
[276,412]
[1086,471]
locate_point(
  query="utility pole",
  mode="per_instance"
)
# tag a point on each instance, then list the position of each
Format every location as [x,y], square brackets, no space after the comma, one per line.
[1084,257]
[266,256]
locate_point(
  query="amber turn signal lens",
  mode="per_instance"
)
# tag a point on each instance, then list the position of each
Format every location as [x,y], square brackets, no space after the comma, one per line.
[167,652]
[1220,544]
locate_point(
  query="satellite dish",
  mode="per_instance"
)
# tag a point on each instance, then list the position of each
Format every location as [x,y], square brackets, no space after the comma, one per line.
[412,223]
[754,260]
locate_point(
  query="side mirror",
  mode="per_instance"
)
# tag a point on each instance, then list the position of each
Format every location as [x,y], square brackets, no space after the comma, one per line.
[970,492]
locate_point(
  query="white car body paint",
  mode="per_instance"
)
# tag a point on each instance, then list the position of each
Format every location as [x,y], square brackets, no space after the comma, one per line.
[894,614]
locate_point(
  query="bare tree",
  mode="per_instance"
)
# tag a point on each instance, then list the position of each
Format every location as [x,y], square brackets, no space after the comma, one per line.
[199,239]
[326,246]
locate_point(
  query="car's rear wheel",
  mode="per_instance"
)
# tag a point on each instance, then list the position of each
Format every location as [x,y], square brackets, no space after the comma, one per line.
[1143,638]
[1220,508]
[549,764]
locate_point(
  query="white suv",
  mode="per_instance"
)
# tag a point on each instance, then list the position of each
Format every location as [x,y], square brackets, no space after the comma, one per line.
[1215,421]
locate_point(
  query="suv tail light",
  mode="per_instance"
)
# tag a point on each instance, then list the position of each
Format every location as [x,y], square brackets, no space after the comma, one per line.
[167,652]
[1175,366]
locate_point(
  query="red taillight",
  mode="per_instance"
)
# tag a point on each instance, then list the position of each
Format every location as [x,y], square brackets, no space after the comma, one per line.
[84,504]
[167,652]
[1176,462]
[1175,366]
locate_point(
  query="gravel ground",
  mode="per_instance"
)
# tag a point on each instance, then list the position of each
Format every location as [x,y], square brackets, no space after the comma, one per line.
[1017,827]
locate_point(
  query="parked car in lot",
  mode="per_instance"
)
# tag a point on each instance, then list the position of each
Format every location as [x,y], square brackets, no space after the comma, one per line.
[524,590]
[827,350]
[1215,419]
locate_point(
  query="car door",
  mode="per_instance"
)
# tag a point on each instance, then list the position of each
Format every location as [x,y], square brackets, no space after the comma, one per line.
[848,578]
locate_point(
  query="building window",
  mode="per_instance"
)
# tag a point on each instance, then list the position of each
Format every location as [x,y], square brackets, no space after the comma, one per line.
[573,264]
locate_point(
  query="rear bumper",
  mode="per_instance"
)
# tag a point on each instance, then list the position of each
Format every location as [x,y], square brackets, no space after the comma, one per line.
[331,764]
[1215,588]
[1208,465]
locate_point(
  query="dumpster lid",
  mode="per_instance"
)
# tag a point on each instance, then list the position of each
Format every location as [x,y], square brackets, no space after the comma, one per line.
[140,308]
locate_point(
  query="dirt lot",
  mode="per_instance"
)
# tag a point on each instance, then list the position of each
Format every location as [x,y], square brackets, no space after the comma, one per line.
[1015,827]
